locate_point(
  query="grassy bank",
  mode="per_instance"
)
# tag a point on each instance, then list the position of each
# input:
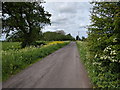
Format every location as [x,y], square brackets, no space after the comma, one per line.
[16,60]
[85,58]
[99,74]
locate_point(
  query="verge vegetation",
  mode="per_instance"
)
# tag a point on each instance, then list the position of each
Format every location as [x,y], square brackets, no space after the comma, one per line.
[102,76]
[15,60]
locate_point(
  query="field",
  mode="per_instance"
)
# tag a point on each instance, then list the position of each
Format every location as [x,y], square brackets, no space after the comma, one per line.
[99,74]
[15,59]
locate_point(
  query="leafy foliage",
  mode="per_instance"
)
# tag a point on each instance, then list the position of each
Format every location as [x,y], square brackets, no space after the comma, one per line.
[104,44]
[24,20]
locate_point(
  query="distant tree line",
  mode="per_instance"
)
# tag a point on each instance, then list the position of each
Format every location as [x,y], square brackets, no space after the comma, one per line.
[55,36]
[47,36]
[81,39]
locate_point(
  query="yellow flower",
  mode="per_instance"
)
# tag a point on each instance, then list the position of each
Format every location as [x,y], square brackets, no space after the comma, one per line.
[55,42]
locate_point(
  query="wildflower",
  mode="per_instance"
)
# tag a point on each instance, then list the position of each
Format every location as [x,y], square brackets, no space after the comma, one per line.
[115,40]
[55,42]
[112,57]
[105,50]
[95,55]
[114,60]
[101,58]
[99,38]
[113,52]
[96,63]
[105,57]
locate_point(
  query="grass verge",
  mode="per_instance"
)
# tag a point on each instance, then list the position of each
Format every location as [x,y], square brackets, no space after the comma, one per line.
[13,61]
[84,56]
[99,75]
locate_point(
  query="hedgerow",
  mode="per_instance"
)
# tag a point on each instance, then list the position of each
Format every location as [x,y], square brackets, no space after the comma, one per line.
[104,44]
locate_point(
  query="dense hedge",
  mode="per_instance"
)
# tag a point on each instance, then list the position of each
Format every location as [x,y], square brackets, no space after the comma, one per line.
[104,44]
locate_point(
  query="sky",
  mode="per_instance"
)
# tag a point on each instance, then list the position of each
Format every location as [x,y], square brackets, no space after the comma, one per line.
[69,16]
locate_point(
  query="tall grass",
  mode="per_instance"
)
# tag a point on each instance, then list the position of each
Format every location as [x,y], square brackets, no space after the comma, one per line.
[10,45]
[14,61]
[85,58]
[84,53]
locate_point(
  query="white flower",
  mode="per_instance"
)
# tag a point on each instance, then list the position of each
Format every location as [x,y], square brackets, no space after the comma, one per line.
[99,38]
[113,52]
[112,57]
[109,57]
[105,50]
[96,63]
[115,40]
[114,60]
[95,55]
[105,57]
[101,58]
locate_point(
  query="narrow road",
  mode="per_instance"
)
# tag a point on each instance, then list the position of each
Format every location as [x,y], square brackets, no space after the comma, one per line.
[61,69]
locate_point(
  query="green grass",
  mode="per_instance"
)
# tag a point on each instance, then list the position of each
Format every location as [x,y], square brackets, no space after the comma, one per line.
[82,49]
[16,45]
[84,56]
[84,52]
[13,61]
[10,45]
[99,75]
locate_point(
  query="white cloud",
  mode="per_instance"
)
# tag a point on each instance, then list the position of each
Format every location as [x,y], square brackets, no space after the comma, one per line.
[68,16]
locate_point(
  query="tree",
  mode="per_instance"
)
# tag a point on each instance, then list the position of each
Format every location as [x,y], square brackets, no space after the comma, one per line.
[60,31]
[77,37]
[25,20]
[69,37]
[83,38]
[54,36]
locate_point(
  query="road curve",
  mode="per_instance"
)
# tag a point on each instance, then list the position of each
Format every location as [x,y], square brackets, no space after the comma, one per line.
[61,69]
